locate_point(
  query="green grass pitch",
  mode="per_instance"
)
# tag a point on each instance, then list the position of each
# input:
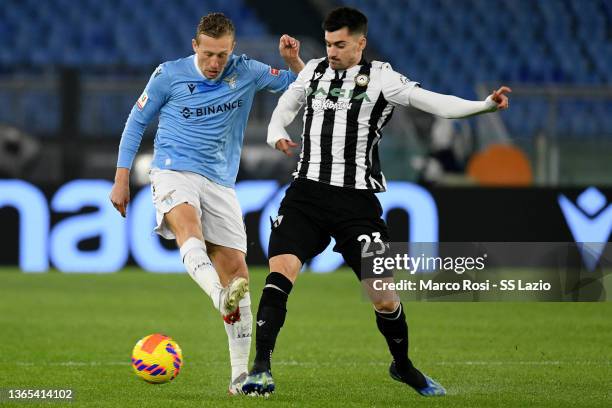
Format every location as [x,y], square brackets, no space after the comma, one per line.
[77,331]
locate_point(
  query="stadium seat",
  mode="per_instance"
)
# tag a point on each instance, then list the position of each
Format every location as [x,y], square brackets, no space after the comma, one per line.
[447,45]
[450,45]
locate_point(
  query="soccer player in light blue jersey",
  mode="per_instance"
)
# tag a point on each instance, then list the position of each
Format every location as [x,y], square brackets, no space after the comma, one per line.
[203,102]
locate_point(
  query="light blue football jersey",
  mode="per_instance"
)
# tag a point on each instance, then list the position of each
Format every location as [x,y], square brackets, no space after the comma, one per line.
[201,121]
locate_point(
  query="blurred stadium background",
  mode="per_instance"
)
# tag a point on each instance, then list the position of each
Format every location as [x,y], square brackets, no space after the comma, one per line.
[71,71]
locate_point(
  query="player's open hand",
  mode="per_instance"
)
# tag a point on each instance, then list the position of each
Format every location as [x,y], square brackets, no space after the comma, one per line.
[286,146]
[500,98]
[289,47]
[120,197]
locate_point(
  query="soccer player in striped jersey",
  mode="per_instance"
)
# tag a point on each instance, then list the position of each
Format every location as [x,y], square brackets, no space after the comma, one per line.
[348,100]
[203,102]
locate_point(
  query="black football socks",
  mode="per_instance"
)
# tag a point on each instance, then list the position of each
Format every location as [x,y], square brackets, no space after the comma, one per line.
[270,318]
[395,329]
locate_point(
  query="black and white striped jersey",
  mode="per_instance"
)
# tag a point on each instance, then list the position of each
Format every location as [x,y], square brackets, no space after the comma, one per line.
[344,113]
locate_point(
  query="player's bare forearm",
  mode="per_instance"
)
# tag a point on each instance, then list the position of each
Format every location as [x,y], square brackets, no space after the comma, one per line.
[122,175]
[295,64]
[120,193]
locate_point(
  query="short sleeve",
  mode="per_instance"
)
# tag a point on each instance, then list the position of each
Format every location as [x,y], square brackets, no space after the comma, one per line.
[271,79]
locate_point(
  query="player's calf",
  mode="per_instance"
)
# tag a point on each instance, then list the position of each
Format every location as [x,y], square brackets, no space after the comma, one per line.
[270,318]
[201,269]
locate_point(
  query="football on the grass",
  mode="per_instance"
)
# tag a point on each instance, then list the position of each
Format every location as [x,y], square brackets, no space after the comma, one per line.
[157,358]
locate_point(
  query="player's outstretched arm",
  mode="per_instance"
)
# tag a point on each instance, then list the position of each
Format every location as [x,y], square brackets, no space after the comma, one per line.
[452,107]
[399,90]
[289,49]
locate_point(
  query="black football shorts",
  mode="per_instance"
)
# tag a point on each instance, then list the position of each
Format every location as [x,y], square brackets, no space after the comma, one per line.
[312,212]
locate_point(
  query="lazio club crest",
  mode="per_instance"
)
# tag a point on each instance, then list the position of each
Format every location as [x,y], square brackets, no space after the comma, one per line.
[231,81]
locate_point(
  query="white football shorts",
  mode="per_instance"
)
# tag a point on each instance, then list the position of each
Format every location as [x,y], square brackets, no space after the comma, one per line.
[216,205]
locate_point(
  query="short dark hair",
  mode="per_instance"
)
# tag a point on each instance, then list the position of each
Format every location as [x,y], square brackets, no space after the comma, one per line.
[353,19]
[215,25]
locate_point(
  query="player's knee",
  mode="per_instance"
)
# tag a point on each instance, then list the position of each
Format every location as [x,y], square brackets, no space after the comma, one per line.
[287,265]
[229,262]
[386,306]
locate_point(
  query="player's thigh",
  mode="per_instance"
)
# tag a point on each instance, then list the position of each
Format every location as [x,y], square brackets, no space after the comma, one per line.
[184,222]
[362,238]
[228,262]
[358,243]
[222,222]
[295,232]
[177,205]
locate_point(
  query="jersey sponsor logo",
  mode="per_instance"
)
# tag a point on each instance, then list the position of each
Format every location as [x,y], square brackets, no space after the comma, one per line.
[326,104]
[274,71]
[211,109]
[231,81]
[142,101]
[157,72]
[404,80]
[191,87]
[338,93]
